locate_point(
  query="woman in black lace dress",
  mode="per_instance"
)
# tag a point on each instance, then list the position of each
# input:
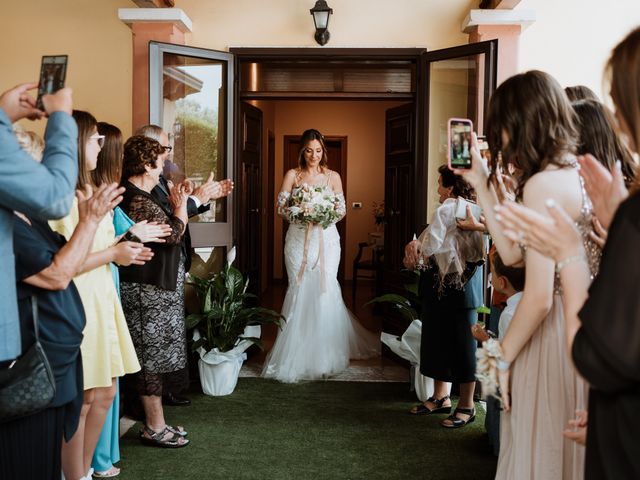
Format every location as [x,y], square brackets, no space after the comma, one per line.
[153,293]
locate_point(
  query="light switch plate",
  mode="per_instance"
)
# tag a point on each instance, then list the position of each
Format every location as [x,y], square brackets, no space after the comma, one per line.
[355,205]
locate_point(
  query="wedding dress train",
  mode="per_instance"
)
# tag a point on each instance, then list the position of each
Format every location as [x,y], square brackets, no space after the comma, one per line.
[320,334]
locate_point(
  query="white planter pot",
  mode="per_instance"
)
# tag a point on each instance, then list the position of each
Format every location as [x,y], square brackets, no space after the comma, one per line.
[221,378]
[219,370]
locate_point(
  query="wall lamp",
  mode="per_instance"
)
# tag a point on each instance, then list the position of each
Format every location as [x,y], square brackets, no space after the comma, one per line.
[321,12]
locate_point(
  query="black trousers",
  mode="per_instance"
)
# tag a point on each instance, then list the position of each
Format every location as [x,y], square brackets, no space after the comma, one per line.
[30,446]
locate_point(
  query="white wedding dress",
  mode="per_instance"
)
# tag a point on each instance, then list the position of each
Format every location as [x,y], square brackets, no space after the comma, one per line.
[320,334]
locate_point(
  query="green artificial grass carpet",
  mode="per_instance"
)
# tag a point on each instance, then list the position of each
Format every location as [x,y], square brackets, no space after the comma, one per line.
[314,430]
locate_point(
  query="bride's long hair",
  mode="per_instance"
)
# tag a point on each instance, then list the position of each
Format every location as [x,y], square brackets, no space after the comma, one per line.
[307,137]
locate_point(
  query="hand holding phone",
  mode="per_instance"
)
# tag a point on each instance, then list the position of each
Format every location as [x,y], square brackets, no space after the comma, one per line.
[459,142]
[53,72]
[58,102]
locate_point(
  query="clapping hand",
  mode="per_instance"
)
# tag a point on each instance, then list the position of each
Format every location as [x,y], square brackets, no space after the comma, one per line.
[556,236]
[179,194]
[151,231]
[504,186]
[93,206]
[599,234]
[131,253]
[212,189]
[606,189]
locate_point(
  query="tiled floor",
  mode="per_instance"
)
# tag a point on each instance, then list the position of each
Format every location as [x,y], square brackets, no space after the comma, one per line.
[381,369]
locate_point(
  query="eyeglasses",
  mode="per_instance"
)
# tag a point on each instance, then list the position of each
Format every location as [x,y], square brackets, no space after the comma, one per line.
[98,138]
[167,148]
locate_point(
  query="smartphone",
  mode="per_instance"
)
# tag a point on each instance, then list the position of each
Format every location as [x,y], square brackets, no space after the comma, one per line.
[53,72]
[461,209]
[483,146]
[459,140]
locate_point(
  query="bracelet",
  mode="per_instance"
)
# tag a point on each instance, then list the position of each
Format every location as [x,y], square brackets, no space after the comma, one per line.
[503,365]
[574,258]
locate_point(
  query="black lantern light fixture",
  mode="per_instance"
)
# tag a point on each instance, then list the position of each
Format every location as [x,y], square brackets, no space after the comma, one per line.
[321,12]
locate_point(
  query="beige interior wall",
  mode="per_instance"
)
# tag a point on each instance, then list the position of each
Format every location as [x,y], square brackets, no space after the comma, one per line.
[572,39]
[98,44]
[363,123]
[219,24]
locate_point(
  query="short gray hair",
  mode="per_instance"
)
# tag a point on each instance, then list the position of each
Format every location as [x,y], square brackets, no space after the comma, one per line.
[151,131]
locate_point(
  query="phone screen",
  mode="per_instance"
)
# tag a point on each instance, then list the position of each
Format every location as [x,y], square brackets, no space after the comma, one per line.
[53,72]
[460,143]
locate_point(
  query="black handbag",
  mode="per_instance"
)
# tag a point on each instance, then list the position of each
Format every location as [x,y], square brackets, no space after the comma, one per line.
[27,385]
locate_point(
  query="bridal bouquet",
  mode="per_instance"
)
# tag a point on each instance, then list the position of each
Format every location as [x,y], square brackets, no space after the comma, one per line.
[314,204]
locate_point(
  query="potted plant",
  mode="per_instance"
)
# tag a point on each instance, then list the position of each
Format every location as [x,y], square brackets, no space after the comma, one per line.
[225,327]
[407,345]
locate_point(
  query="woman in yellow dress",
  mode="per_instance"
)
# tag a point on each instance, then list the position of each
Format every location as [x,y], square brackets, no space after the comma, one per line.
[107,350]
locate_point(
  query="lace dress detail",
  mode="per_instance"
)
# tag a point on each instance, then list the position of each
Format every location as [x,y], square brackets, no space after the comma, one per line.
[156,316]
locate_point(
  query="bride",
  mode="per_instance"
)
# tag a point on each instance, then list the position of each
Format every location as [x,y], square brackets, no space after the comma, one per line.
[320,335]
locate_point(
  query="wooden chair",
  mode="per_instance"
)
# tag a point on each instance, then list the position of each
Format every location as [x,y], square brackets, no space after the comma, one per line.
[372,264]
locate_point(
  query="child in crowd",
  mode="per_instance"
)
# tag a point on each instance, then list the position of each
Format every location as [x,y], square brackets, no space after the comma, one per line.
[508,281]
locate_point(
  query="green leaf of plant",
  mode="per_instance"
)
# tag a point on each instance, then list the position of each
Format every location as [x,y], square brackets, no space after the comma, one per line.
[198,343]
[192,320]
[392,298]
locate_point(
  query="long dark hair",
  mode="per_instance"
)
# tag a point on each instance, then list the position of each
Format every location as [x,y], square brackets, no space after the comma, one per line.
[623,74]
[109,166]
[307,137]
[460,187]
[534,112]
[87,126]
[599,137]
[580,92]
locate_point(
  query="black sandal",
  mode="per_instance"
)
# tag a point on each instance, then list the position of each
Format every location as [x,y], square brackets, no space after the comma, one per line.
[422,409]
[458,422]
[156,439]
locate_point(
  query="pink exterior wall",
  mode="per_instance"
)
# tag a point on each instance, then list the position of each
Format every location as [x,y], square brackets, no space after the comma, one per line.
[508,46]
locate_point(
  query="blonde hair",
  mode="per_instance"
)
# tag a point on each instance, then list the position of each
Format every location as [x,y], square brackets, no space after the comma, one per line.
[29,141]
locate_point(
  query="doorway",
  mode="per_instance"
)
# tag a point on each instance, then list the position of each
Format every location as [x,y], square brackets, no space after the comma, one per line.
[404,75]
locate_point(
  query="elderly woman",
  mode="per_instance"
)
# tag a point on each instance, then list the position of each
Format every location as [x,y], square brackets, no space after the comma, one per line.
[45,264]
[153,294]
[451,289]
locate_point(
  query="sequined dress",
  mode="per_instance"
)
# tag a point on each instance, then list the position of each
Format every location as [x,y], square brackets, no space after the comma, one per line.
[545,393]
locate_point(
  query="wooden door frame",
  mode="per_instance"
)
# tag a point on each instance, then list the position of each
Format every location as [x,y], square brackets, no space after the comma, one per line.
[414,55]
[343,141]
[271,173]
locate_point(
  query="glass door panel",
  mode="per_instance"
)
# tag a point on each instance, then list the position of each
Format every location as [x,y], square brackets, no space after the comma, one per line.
[190,97]
[460,81]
